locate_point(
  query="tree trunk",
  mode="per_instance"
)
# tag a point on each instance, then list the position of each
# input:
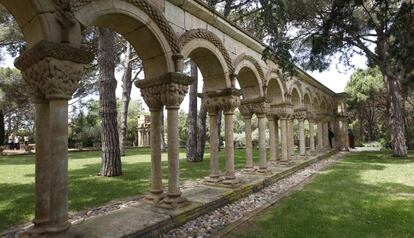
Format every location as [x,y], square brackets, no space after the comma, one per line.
[126,97]
[192,117]
[111,159]
[2,128]
[201,134]
[395,102]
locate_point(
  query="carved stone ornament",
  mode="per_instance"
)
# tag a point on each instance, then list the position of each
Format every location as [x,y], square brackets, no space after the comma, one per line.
[169,89]
[281,110]
[256,105]
[226,100]
[300,113]
[52,70]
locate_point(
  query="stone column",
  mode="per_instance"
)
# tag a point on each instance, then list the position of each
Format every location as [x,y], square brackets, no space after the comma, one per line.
[284,139]
[214,149]
[152,99]
[230,177]
[320,136]
[272,138]
[53,71]
[290,139]
[311,135]
[249,167]
[42,163]
[231,101]
[277,145]
[326,135]
[262,144]
[302,146]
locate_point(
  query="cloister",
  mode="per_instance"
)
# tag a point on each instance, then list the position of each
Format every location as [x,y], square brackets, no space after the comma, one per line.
[165,33]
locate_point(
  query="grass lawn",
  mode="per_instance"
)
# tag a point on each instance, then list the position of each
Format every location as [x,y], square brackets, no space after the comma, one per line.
[86,190]
[365,195]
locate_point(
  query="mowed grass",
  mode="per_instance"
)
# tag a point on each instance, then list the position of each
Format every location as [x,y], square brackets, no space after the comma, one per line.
[86,190]
[365,195]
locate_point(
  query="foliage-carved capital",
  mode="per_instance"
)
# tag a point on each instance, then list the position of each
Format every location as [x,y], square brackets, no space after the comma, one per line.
[226,100]
[52,70]
[281,110]
[169,89]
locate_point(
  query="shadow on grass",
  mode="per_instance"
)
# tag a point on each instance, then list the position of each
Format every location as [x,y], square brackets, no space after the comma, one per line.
[86,189]
[344,202]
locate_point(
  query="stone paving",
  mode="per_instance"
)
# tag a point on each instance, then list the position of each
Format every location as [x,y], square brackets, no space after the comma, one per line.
[134,218]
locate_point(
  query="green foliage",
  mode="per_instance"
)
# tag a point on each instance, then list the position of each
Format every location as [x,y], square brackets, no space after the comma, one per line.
[367,104]
[15,104]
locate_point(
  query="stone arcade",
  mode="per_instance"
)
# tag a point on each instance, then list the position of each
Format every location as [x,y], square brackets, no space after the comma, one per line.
[165,33]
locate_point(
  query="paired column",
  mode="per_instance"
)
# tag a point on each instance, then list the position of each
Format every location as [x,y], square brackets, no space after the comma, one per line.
[52,72]
[169,89]
[326,134]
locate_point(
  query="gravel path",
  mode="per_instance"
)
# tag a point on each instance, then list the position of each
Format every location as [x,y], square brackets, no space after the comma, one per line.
[209,224]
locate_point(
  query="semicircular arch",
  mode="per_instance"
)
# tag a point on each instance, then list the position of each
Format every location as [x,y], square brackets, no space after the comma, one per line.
[208,52]
[246,70]
[141,24]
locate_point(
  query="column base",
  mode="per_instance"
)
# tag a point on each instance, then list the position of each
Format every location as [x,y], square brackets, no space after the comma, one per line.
[174,201]
[287,163]
[273,163]
[230,182]
[154,197]
[212,180]
[248,170]
[47,230]
[263,171]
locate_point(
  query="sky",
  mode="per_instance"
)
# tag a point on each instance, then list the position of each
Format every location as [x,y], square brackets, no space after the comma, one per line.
[335,78]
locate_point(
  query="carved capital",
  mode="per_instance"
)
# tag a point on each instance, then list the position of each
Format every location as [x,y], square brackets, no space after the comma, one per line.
[52,70]
[245,111]
[281,110]
[226,100]
[169,89]
[257,105]
[300,113]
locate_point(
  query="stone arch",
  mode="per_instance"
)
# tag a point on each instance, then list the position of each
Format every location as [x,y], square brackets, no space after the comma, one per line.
[296,94]
[275,87]
[307,98]
[247,68]
[210,55]
[142,24]
[323,105]
[316,103]
[37,21]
